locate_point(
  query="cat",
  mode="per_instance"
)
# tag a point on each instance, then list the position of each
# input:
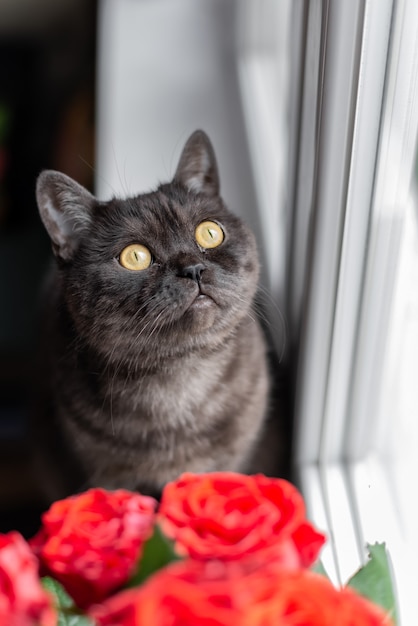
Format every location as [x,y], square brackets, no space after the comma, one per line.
[155,359]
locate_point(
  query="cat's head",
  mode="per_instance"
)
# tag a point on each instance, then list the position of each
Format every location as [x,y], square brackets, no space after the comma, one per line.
[166,271]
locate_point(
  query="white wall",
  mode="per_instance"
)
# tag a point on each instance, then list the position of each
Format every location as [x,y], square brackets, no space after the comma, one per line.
[165,69]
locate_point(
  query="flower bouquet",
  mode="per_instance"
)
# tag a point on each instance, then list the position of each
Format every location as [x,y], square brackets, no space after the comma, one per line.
[220,549]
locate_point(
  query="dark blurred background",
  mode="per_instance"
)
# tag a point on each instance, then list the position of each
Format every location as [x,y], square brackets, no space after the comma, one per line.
[47,110]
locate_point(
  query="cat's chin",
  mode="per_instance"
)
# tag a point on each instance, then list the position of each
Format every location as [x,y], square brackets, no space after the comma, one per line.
[202,302]
[201,314]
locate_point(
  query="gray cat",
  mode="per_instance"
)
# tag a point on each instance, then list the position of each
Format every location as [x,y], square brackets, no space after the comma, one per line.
[155,359]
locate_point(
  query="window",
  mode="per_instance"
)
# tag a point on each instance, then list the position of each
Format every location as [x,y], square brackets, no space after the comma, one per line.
[356,402]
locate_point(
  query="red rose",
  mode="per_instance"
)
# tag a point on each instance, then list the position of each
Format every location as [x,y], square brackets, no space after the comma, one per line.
[310,599]
[91,542]
[23,602]
[232,516]
[208,593]
[216,593]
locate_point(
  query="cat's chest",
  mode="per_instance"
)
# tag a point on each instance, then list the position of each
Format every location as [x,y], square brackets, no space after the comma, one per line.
[189,396]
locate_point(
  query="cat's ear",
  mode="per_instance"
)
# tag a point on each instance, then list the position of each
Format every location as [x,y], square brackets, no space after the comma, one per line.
[197,169]
[65,208]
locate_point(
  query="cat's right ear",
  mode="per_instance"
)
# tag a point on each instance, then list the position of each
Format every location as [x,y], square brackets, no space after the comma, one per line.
[65,208]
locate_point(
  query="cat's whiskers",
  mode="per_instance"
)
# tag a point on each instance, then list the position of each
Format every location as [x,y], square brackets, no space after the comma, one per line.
[152,320]
[248,305]
[146,339]
[127,324]
[130,321]
[260,311]
[270,301]
[143,329]
[155,326]
[97,174]
[261,314]
[123,183]
[131,365]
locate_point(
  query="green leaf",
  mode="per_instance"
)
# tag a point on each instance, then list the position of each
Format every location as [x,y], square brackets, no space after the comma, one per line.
[374,580]
[68,613]
[319,568]
[157,553]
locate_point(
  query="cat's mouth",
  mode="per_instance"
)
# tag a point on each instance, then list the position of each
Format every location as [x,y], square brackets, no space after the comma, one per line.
[201,313]
[200,308]
[202,300]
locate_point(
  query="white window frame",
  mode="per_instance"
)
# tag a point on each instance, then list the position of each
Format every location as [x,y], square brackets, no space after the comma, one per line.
[366,134]
[355,49]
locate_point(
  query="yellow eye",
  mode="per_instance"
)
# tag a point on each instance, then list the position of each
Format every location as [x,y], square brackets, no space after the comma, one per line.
[209,235]
[135,257]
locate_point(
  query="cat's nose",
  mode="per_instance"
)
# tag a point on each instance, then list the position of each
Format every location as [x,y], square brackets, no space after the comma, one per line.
[192,271]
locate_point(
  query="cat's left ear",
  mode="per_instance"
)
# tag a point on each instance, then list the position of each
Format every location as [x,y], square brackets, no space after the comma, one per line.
[197,169]
[65,208]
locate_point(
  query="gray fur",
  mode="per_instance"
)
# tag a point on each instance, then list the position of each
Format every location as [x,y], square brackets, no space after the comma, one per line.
[143,385]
